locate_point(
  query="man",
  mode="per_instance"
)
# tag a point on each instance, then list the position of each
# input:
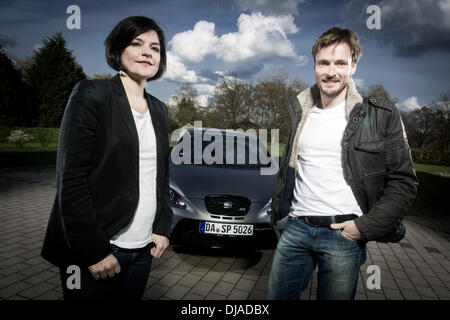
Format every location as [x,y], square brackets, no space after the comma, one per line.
[346,177]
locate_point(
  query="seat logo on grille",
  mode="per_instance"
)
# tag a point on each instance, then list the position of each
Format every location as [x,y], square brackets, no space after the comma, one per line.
[228,205]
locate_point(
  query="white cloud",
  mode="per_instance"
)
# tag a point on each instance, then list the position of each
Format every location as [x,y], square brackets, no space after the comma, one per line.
[227,76]
[193,45]
[38,47]
[302,61]
[205,92]
[359,83]
[204,88]
[177,71]
[203,100]
[258,38]
[409,104]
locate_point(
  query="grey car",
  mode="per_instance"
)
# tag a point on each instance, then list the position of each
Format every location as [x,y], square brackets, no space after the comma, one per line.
[221,183]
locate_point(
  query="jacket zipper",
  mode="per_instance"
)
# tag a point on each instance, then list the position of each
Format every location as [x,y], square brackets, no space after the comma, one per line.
[373,173]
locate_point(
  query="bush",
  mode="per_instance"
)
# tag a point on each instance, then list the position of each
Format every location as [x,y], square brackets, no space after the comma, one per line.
[4,133]
[427,156]
[19,138]
[44,136]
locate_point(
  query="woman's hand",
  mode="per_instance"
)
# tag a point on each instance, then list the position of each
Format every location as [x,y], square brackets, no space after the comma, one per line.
[161,242]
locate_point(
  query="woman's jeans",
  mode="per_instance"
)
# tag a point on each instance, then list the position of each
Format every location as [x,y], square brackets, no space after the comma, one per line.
[301,247]
[129,284]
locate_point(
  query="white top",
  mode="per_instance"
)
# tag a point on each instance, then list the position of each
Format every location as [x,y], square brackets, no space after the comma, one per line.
[320,187]
[139,232]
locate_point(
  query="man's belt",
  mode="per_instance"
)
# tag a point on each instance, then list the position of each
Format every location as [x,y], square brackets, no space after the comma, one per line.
[137,250]
[325,221]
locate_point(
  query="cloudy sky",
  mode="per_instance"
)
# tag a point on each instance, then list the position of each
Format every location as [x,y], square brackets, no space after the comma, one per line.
[409,55]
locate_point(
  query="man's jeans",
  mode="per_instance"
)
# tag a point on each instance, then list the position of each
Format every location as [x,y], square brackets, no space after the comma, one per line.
[129,284]
[300,248]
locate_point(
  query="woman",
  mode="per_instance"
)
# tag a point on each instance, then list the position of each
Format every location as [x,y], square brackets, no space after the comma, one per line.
[111,214]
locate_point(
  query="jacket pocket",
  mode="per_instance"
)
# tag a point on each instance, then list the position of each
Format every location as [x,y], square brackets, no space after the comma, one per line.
[373,183]
[371,147]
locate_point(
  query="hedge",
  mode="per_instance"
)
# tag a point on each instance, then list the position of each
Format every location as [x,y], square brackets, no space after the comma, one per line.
[436,157]
[42,135]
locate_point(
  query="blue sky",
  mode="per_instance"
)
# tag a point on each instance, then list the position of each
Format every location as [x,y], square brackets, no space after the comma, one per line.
[409,55]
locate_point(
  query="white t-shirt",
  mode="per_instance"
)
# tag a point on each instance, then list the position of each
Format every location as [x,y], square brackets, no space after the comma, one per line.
[320,187]
[139,232]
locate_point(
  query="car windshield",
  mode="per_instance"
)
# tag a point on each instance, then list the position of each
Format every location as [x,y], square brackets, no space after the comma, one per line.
[222,149]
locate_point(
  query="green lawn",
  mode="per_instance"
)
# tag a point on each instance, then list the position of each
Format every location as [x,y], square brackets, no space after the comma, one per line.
[280,149]
[439,170]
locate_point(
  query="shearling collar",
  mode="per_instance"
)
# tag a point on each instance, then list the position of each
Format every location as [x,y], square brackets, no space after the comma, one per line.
[309,97]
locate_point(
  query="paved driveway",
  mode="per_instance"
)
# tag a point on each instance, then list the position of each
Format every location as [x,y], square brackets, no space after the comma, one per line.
[416,268]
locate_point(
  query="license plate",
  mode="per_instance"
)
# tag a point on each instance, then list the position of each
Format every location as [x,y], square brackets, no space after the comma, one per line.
[226,228]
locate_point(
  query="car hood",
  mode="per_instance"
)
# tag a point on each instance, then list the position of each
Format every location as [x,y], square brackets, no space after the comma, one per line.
[198,181]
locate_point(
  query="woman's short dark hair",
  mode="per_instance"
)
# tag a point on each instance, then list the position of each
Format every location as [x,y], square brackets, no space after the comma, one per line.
[122,35]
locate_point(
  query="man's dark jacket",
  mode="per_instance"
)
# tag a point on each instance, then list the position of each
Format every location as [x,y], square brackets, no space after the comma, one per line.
[97,173]
[376,163]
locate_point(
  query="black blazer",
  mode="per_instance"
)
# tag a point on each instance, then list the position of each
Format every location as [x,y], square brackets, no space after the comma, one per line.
[97,173]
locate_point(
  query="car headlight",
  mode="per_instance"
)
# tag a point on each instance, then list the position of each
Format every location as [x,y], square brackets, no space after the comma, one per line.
[176,200]
[269,207]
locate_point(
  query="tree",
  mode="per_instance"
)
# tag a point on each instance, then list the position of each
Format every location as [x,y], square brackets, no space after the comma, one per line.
[101,76]
[232,101]
[422,121]
[410,128]
[52,74]
[173,124]
[271,95]
[210,117]
[23,64]
[187,105]
[429,126]
[238,104]
[441,128]
[16,106]
[379,92]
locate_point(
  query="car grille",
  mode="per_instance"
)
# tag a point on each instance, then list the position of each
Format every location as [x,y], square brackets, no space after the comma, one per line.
[227,205]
